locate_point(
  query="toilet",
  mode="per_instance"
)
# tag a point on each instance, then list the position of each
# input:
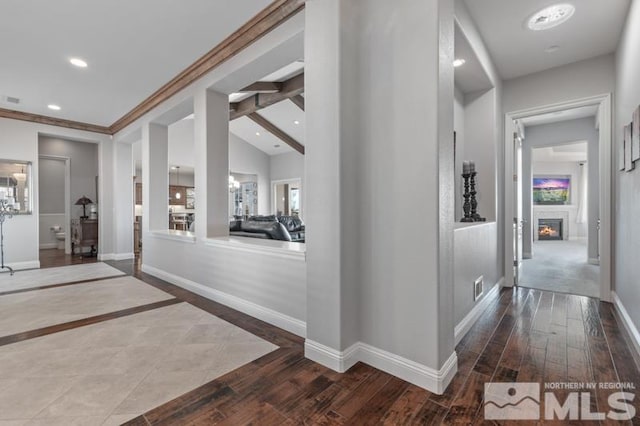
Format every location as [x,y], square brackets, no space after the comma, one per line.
[60,236]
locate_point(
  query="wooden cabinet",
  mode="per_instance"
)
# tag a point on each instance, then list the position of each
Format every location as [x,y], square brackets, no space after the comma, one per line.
[84,233]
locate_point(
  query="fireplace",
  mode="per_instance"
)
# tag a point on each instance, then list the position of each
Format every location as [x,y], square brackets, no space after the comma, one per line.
[550,229]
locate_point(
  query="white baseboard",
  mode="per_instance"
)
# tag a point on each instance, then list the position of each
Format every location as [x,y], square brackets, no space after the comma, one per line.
[17,266]
[470,319]
[420,375]
[278,319]
[124,256]
[628,322]
[594,261]
[339,361]
[526,255]
[46,246]
[106,256]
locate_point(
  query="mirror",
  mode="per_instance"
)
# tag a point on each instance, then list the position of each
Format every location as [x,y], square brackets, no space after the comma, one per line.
[15,184]
[243,193]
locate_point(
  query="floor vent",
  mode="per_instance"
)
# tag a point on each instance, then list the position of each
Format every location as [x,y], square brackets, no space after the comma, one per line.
[11,99]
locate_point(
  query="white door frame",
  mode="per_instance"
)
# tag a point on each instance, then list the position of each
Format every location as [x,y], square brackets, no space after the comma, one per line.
[606,154]
[67,196]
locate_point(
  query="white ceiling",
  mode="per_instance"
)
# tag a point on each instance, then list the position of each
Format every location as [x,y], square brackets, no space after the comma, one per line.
[564,115]
[469,77]
[574,152]
[132,48]
[593,30]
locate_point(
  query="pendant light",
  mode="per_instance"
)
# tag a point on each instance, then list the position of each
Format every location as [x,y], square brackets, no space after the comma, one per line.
[178,195]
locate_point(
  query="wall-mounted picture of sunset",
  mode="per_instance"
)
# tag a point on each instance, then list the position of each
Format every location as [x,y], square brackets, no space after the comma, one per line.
[548,190]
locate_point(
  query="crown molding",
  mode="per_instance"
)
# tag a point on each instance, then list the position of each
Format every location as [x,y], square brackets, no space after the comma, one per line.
[51,121]
[258,26]
[265,21]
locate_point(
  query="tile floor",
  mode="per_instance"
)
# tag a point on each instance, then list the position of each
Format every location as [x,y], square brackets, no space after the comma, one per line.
[64,274]
[561,266]
[110,372]
[41,308]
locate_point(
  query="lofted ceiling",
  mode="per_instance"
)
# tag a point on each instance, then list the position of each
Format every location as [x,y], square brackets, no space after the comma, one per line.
[132,48]
[593,30]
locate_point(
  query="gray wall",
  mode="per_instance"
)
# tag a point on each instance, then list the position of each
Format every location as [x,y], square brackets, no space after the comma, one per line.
[475,255]
[582,129]
[247,159]
[287,166]
[84,167]
[627,205]
[51,193]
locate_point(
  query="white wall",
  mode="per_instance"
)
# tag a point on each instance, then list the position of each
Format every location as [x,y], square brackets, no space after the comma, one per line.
[246,159]
[582,79]
[458,126]
[286,166]
[83,164]
[51,200]
[19,141]
[582,129]
[627,206]
[475,256]
[243,158]
[371,278]
[478,249]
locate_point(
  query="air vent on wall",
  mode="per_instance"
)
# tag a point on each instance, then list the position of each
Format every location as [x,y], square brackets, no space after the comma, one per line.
[11,99]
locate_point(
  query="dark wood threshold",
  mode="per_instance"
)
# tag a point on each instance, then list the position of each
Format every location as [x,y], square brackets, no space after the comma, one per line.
[46,287]
[26,335]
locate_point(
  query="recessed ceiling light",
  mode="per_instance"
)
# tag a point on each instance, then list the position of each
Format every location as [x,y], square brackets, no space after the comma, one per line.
[78,62]
[296,122]
[257,133]
[458,62]
[551,16]
[54,107]
[276,146]
[552,49]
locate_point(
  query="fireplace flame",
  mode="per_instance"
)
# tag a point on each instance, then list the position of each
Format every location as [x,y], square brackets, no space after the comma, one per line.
[547,231]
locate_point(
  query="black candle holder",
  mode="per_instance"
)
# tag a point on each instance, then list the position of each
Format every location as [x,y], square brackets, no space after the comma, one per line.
[474,203]
[467,205]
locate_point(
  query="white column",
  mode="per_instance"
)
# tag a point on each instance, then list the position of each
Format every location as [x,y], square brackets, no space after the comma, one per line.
[155,177]
[379,182]
[123,201]
[211,146]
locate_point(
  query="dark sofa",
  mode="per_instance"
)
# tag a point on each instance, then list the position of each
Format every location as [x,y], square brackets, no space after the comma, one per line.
[283,228]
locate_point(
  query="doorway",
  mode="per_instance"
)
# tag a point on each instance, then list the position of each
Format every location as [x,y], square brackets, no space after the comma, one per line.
[557,203]
[287,197]
[54,203]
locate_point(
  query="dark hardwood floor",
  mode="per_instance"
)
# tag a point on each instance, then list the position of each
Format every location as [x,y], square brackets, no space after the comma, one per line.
[50,258]
[525,335]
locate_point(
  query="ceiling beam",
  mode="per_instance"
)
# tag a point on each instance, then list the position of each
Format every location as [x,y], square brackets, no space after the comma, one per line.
[276,131]
[290,88]
[52,121]
[299,101]
[264,22]
[263,87]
